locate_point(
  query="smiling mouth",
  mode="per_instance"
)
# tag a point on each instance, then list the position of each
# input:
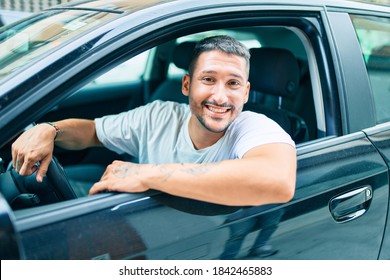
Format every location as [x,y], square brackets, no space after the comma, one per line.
[218,109]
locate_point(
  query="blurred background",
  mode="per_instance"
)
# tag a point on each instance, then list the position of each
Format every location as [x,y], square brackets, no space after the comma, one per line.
[11,10]
[37,5]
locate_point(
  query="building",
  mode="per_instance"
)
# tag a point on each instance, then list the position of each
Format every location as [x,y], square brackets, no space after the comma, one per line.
[28,5]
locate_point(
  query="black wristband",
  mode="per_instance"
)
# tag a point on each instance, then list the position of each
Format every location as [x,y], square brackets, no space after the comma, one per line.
[58,131]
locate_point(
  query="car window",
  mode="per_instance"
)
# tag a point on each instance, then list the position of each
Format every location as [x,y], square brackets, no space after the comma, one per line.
[128,71]
[129,83]
[374,37]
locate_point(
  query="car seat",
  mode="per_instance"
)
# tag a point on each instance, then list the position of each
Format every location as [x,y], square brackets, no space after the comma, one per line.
[170,89]
[379,73]
[275,73]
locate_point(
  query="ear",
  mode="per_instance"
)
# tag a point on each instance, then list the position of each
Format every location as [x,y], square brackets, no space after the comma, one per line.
[248,87]
[185,84]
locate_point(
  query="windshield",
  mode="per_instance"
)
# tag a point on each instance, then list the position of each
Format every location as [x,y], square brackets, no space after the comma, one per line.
[25,42]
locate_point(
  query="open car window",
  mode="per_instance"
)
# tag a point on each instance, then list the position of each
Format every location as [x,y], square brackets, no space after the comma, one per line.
[156,74]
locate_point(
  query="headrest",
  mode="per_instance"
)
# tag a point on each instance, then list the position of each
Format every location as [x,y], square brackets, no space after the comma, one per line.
[182,54]
[274,71]
[379,59]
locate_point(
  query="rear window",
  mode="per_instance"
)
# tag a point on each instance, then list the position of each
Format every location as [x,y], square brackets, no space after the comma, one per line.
[374,37]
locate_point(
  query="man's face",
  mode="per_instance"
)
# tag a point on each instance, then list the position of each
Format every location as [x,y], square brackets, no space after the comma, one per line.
[217,90]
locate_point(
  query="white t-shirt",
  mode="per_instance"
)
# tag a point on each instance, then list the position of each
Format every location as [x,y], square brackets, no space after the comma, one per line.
[158,133]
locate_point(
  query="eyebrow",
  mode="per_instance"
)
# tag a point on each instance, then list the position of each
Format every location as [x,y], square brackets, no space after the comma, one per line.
[215,72]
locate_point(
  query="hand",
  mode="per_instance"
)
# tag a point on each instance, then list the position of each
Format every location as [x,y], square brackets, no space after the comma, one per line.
[121,176]
[34,146]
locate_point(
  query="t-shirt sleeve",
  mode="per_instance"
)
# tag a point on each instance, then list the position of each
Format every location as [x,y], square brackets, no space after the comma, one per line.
[119,132]
[130,132]
[254,130]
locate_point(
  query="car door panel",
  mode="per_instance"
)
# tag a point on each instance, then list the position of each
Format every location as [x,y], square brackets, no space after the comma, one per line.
[10,246]
[147,228]
[125,227]
[339,167]
[380,136]
[306,229]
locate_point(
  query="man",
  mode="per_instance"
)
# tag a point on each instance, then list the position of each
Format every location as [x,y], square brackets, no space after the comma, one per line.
[209,150]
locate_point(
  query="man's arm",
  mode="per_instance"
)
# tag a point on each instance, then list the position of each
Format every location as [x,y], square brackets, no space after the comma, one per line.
[37,144]
[266,174]
[77,134]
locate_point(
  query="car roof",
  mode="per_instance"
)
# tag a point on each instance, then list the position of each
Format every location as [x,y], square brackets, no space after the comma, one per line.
[134,5]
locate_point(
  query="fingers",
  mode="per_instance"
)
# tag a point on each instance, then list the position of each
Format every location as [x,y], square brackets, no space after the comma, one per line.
[98,187]
[24,167]
[33,151]
[14,157]
[43,167]
[102,185]
[118,180]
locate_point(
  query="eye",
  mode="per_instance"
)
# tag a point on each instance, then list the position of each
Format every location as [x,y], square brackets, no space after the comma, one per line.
[208,80]
[234,83]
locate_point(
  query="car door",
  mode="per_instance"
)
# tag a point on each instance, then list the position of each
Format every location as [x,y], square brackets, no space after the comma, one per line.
[380,138]
[375,51]
[340,206]
[344,217]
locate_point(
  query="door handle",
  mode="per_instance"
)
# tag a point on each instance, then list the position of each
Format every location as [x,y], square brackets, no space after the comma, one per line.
[351,205]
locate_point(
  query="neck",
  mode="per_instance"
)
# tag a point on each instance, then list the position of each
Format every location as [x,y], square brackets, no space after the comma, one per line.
[200,136]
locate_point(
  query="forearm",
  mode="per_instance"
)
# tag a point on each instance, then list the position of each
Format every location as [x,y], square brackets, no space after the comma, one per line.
[265,175]
[76,134]
[37,143]
[232,182]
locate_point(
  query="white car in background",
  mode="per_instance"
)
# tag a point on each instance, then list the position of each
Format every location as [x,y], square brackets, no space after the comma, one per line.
[8,16]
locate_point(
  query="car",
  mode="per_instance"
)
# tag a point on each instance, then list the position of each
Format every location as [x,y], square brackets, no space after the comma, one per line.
[321,69]
[9,16]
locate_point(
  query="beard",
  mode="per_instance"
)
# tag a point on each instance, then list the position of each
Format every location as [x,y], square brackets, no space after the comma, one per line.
[203,118]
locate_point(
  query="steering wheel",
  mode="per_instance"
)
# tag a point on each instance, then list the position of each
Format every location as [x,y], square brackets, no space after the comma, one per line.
[58,180]
[28,192]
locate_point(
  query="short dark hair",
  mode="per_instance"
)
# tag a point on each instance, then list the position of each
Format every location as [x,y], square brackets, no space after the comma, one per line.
[222,43]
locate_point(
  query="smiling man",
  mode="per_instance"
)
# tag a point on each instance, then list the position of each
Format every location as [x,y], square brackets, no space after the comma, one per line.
[217,86]
[208,150]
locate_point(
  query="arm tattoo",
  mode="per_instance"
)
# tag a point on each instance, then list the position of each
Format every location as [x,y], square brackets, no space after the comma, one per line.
[166,171]
[124,170]
[200,169]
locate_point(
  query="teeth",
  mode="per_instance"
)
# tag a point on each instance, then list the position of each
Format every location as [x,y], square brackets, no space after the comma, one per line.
[217,110]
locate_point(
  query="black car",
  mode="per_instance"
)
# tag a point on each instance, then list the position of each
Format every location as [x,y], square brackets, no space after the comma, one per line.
[321,69]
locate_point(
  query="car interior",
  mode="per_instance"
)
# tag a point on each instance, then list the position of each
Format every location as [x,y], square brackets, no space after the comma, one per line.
[282,71]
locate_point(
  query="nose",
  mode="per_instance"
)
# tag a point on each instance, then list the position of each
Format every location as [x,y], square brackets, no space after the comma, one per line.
[219,94]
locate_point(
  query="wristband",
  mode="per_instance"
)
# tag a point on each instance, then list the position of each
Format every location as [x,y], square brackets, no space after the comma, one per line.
[58,131]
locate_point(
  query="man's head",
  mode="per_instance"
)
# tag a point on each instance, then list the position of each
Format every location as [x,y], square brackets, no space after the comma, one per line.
[217,85]
[221,43]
